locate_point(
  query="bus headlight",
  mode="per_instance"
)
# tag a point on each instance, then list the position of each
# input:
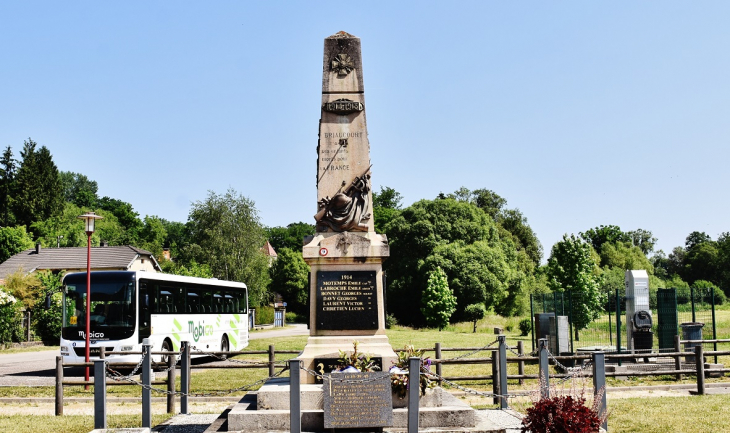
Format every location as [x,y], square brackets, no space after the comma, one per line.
[64,350]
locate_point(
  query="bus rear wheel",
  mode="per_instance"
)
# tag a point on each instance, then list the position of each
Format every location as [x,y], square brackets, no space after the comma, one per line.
[224,347]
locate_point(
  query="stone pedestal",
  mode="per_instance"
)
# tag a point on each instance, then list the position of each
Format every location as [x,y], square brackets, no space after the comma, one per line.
[347,301]
[268,410]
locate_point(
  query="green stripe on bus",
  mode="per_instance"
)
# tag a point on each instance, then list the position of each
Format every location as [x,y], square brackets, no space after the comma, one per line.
[237,317]
[177,324]
[176,337]
[233,340]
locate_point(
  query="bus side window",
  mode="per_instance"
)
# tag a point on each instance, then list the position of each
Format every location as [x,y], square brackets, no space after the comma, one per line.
[218,306]
[207,300]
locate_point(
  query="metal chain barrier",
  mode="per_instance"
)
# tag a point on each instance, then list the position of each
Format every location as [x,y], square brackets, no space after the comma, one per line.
[119,376]
[174,364]
[435,377]
[473,352]
[572,372]
[229,359]
[115,375]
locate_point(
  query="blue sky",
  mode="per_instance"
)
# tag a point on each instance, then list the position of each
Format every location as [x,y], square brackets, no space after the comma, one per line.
[578,113]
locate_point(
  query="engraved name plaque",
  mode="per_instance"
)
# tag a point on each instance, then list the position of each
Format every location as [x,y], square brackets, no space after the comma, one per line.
[356,400]
[346,300]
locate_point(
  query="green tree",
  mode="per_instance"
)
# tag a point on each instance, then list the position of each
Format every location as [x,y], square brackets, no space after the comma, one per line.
[26,288]
[438,302]
[603,234]
[623,255]
[290,278]
[414,235]
[13,240]
[291,236]
[475,313]
[571,268]
[525,238]
[701,262]
[178,236]
[153,235]
[67,230]
[643,239]
[39,188]
[78,189]
[228,236]
[8,168]
[47,322]
[386,204]
[126,216]
[10,317]
[488,201]
[511,221]
[478,273]
[192,269]
[723,261]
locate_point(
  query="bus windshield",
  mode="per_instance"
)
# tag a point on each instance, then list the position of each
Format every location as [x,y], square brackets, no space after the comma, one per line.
[112,305]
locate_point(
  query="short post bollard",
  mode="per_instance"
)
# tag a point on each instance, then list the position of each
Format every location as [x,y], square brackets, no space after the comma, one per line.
[171,361]
[295,412]
[544,369]
[700,363]
[438,365]
[521,364]
[184,377]
[495,378]
[146,383]
[100,394]
[414,388]
[59,385]
[599,384]
[503,403]
[272,360]
[677,359]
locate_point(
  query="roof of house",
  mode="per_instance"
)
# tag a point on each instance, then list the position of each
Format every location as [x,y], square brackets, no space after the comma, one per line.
[269,250]
[102,258]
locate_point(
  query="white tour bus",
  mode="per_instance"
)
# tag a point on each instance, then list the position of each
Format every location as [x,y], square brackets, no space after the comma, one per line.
[128,306]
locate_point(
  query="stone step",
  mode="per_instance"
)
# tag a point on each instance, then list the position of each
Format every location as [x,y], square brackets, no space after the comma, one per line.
[268,410]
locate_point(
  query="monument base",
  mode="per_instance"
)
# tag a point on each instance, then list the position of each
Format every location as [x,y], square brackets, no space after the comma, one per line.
[377,346]
[268,410]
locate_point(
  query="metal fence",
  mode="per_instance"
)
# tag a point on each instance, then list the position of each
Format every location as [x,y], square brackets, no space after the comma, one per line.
[608,333]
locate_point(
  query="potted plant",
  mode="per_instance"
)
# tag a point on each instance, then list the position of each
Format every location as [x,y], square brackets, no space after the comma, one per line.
[399,375]
[355,362]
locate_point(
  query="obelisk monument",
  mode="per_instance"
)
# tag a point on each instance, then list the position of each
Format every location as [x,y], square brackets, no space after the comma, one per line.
[345,256]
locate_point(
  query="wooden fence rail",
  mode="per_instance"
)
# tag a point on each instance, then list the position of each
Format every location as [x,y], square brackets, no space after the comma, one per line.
[438,361]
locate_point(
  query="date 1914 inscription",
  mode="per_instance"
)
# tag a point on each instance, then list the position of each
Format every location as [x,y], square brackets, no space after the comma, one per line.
[346,300]
[353,400]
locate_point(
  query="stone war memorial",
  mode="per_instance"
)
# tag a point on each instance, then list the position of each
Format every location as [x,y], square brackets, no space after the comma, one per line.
[346,284]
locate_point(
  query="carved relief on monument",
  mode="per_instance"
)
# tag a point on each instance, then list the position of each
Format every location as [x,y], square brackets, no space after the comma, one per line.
[342,64]
[343,106]
[348,210]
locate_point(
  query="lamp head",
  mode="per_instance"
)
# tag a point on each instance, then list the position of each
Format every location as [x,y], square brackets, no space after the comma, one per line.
[89,221]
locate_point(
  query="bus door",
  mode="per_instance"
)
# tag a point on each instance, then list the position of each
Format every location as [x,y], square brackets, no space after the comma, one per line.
[145,304]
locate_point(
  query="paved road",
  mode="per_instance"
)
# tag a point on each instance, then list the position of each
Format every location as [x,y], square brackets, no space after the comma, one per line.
[39,368]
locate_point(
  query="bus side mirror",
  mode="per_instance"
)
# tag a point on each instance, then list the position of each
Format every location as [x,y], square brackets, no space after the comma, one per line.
[146,300]
[47,305]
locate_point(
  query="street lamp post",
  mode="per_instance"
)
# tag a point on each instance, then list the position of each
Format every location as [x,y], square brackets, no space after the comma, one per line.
[89,219]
